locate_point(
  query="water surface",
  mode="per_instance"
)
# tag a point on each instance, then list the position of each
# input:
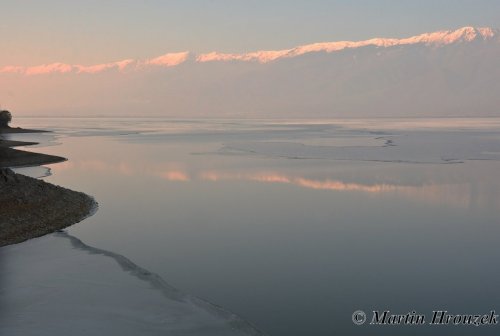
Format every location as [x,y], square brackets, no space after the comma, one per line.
[294,225]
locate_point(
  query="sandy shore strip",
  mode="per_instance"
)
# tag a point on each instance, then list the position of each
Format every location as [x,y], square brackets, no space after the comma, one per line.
[31,207]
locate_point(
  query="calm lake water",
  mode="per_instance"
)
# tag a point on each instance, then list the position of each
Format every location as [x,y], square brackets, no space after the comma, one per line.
[294,225]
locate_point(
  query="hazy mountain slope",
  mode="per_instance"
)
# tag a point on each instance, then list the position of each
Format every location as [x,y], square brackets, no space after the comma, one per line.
[451,73]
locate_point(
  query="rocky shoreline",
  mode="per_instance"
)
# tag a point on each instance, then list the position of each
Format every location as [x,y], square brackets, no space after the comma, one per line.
[10,157]
[32,208]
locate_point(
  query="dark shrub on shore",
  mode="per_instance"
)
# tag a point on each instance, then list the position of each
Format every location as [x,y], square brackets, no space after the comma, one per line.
[5,118]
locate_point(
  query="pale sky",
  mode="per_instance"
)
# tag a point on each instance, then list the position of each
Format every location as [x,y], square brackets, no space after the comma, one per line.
[152,57]
[95,31]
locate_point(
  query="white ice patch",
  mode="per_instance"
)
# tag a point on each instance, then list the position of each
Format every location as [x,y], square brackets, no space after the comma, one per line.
[56,285]
[411,147]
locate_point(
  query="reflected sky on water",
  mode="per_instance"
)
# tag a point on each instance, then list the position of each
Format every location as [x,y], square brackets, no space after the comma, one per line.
[294,244]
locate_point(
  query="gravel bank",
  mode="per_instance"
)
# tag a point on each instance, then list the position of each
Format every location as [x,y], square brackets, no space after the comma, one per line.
[31,208]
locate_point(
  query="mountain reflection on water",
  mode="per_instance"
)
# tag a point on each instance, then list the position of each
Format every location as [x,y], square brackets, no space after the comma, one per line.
[296,243]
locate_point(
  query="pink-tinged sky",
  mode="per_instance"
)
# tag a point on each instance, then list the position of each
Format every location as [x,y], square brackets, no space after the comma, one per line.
[176,58]
[97,32]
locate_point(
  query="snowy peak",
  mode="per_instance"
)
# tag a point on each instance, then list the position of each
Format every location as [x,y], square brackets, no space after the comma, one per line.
[439,38]
[435,39]
[465,34]
[444,73]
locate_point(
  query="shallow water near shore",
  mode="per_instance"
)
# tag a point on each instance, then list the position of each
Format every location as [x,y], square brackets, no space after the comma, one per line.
[294,225]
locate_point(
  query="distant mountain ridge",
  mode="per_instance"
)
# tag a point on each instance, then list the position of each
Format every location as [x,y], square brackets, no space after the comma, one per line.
[439,38]
[444,73]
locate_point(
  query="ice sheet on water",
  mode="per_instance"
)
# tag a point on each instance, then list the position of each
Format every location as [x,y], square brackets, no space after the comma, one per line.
[435,146]
[448,140]
[56,285]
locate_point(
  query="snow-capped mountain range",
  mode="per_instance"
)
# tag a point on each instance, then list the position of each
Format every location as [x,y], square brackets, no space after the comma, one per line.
[444,73]
[439,38]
